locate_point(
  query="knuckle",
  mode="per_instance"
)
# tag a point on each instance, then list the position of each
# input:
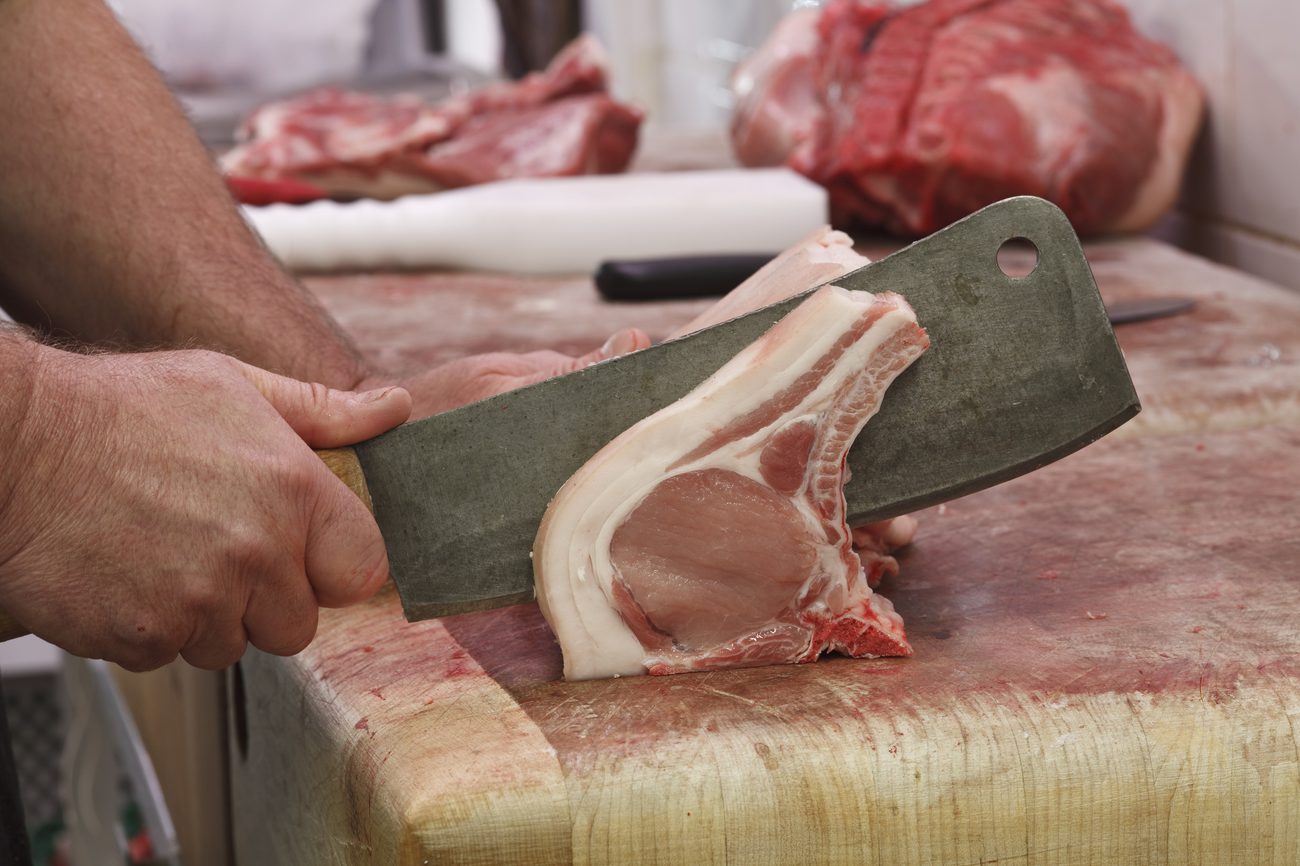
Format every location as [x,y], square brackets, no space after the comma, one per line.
[302,475]
[205,597]
[248,549]
[285,476]
[317,396]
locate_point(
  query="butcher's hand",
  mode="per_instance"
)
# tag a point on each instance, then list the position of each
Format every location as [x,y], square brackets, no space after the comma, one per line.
[170,503]
[477,377]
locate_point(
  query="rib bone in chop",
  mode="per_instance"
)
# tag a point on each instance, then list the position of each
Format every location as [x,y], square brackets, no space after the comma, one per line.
[712,534]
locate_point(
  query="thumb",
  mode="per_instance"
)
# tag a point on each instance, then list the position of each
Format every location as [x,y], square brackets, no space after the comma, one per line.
[326,417]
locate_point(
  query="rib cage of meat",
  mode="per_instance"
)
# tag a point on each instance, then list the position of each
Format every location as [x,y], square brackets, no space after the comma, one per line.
[712,534]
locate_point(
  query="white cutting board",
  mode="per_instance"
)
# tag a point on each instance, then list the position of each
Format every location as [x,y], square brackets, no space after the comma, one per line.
[551,225]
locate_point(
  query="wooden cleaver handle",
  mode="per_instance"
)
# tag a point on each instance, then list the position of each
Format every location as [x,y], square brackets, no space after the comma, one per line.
[341,461]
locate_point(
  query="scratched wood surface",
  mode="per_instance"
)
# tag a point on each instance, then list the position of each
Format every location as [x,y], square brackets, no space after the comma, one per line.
[1106,669]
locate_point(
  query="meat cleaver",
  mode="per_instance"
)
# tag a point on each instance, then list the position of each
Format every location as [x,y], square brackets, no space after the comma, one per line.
[1021,371]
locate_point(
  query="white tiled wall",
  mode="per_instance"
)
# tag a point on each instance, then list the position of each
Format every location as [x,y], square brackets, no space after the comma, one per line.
[1241,203]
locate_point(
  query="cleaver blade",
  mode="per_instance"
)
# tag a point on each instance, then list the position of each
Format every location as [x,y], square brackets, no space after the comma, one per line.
[1021,372]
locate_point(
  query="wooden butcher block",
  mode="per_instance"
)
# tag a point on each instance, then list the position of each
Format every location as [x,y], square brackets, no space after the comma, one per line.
[1107,665]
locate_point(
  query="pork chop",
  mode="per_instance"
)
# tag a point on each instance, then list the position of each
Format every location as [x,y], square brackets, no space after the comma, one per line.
[712,534]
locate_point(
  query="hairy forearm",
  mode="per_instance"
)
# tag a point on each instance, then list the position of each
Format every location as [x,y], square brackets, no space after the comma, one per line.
[114,226]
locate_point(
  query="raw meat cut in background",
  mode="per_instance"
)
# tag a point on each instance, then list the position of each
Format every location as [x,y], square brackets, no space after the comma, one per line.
[777,106]
[589,134]
[712,534]
[342,144]
[915,117]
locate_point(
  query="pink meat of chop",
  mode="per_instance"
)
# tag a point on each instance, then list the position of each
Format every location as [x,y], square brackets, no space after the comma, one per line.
[713,533]
[914,116]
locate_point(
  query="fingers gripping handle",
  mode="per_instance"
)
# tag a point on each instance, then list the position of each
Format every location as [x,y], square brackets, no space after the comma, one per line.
[341,461]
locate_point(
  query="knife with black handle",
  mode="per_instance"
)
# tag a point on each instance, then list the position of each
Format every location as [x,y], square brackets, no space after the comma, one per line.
[682,277]
[715,275]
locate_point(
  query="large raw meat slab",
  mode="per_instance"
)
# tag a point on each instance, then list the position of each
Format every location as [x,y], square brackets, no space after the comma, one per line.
[713,534]
[914,115]
[346,144]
